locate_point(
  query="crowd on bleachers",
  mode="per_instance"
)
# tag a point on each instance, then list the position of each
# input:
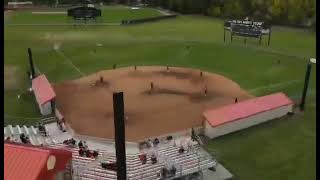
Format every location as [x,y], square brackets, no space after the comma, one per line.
[158,158]
[84,151]
[37,135]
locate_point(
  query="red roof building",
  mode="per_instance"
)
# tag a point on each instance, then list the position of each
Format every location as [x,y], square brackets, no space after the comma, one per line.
[33,163]
[42,89]
[248,110]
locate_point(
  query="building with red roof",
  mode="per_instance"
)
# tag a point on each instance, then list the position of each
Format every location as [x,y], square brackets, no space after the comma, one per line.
[44,94]
[35,163]
[237,116]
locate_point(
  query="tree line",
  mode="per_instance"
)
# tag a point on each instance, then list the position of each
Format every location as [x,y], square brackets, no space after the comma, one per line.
[282,12]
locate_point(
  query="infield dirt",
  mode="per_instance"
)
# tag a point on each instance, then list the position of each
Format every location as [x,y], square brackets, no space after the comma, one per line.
[176,102]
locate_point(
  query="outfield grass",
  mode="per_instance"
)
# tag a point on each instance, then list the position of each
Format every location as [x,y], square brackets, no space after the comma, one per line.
[281,149]
[112,14]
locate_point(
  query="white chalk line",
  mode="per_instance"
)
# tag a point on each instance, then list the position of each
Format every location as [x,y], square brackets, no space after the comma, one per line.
[277,85]
[37,69]
[68,60]
[310,93]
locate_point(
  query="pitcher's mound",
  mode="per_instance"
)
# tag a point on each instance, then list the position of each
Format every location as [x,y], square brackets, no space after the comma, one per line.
[157,101]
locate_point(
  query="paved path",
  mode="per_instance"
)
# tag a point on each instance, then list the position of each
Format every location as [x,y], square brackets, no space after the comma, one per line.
[164,12]
[221,173]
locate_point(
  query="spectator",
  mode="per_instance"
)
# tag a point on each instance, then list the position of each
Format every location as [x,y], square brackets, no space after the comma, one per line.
[58,122]
[8,138]
[149,143]
[23,139]
[88,153]
[42,129]
[143,158]
[73,142]
[81,152]
[169,138]
[181,150]
[95,154]
[70,142]
[63,129]
[153,159]
[28,140]
[80,144]
[174,143]
[85,146]
[173,171]
[156,141]
[164,173]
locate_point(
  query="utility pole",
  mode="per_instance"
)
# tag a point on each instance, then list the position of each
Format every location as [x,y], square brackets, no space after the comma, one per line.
[306,83]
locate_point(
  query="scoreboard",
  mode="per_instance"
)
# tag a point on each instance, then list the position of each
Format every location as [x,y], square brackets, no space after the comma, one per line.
[246,29]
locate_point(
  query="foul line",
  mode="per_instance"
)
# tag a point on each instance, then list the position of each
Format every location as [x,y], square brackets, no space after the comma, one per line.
[38,70]
[68,60]
[277,85]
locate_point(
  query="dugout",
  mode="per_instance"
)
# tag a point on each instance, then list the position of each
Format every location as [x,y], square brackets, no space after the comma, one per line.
[84,12]
[244,114]
[44,94]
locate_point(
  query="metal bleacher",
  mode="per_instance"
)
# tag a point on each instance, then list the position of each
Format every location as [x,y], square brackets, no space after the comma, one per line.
[189,162]
[36,138]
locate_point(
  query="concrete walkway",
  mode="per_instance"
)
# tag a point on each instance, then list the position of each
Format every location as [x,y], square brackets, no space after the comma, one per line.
[164,12]
[221,173]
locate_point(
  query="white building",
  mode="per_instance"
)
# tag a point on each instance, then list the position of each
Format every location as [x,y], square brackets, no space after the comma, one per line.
[244,114]
[44,94]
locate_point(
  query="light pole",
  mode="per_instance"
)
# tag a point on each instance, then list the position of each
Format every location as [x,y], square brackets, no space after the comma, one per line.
[306,83]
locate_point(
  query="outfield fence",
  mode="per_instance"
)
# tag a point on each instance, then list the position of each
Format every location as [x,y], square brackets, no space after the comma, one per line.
[144,20]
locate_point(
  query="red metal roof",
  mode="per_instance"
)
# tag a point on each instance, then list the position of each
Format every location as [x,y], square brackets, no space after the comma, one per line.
[243,109]
[42,89]
[30,162]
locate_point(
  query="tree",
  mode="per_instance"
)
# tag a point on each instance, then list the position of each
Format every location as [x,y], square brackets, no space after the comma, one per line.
[295,13]
[214,11]
[233,9]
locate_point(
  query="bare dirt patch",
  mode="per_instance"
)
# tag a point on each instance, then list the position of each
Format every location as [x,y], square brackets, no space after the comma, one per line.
[175,103]
[7,14]
[10,77]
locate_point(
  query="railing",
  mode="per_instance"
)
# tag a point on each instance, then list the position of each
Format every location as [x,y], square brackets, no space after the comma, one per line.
[152,19]
[48,120]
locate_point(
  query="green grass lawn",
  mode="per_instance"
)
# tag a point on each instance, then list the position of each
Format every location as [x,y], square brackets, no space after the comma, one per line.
[112,14]
[278,150]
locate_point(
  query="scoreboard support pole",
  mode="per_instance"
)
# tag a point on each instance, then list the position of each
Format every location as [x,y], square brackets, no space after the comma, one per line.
[305,88]
[224,35]
[269,36]
[33,72]
[245,40]
[260,39]
[231,36]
